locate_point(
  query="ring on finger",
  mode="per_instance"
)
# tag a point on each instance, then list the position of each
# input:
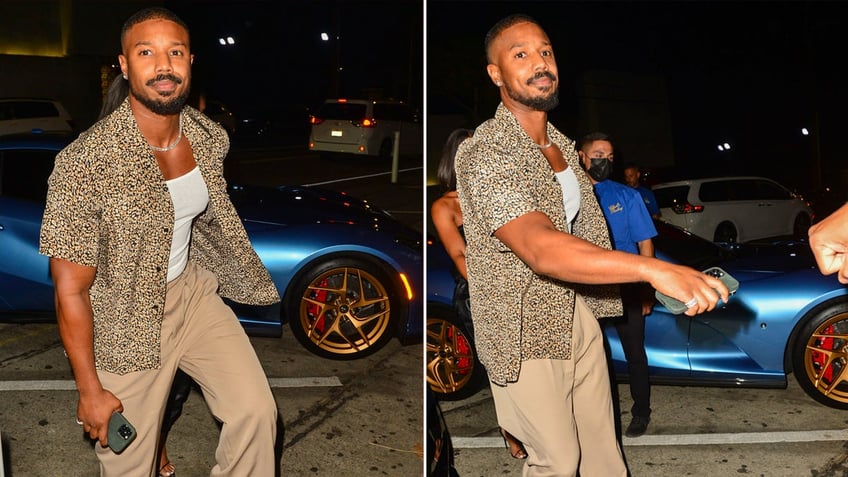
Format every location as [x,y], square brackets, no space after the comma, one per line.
[691,303]
[79,421]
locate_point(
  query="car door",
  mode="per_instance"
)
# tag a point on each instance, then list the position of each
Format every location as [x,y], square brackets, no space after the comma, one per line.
[25,284]
[779,208]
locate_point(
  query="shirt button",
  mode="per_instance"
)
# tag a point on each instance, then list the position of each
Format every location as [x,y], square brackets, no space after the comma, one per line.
[165,187]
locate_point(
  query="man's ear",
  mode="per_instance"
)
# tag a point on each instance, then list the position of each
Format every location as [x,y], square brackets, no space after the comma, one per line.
[494,74]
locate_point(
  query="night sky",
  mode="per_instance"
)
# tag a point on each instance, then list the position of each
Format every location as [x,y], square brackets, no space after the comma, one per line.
[752,73]
[280,63]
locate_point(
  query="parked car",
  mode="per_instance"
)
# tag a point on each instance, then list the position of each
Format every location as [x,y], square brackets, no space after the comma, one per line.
[733,209]
[34,115]
[785,318]
[367,127]
[350,275]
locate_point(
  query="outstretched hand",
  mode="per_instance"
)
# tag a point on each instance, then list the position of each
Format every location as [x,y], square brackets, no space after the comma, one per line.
[699,291]
[829,242]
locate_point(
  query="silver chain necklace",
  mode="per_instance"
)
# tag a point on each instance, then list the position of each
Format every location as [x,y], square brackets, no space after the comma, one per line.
[173,144]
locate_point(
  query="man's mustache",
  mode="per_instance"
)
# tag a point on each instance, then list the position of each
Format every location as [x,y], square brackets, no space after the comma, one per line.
[164,77]
[541,74]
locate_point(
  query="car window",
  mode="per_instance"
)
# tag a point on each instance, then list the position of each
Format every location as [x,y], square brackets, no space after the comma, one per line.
[767,190]
[24,173]
[668,197]
[686,248]
[715,191]
[31,109]
[347,111]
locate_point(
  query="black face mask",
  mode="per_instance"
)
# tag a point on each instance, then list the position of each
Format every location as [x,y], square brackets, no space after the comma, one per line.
[600,168]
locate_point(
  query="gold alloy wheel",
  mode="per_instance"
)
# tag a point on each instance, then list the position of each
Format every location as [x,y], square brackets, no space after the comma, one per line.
[826,358]
[345,310]
[450,357]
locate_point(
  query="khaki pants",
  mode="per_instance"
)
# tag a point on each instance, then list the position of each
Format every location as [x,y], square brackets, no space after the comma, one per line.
[202,336]
[562,409]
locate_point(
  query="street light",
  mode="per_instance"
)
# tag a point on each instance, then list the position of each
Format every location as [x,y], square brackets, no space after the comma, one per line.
[336,45]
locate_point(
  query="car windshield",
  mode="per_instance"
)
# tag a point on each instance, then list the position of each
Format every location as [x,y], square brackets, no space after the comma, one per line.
[685,248]
[348,111]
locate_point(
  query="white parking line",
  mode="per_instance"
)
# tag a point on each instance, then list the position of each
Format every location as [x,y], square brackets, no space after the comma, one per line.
[360,177]
[686,439]
[70,385]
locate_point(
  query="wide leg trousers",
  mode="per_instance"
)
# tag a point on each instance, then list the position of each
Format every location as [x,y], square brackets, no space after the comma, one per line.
[201,336]
[562,409]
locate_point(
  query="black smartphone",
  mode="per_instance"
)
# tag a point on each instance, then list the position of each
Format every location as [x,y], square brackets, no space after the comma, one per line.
[677,307]
[121,433]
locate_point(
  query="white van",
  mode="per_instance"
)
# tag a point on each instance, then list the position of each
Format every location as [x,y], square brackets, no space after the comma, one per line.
[361,126]
[32,115]
[733,209]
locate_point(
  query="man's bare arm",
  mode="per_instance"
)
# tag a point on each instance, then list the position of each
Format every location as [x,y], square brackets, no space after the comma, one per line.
[76,328]
[547,251]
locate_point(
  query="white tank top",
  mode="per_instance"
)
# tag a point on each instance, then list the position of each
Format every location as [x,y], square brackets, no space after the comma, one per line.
[190,197]
[570,194]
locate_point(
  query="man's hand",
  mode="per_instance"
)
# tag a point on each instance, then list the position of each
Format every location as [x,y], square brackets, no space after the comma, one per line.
[94,410]
[700,292]
[829,242]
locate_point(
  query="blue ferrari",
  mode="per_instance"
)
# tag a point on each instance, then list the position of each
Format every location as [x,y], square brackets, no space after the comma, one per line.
[785,318]
[349,274]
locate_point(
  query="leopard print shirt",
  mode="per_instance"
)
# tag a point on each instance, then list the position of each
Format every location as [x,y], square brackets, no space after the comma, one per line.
[519,315]
[108,207]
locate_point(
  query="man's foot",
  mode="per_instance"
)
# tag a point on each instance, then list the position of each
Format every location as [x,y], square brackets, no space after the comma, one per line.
[637,426]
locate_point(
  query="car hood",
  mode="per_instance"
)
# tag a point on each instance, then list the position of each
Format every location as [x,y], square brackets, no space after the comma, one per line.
[295,205]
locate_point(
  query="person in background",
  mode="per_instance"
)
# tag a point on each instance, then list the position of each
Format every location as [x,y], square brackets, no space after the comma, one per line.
[829,242]
[632,177]
[143,243]
[536,267]
[447,218]
[631,230]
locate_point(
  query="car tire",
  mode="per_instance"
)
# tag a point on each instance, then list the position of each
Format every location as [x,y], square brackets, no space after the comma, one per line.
[801,227]
[820,355]
[342,308]
[725,232]
[453,370]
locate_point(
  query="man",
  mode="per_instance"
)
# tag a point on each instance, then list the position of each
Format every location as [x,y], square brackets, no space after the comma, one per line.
[632,176]
[631,230]
[535,328]
[142,237]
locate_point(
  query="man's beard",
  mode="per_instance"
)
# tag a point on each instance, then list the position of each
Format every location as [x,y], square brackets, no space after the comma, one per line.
[539,103]
[163,105]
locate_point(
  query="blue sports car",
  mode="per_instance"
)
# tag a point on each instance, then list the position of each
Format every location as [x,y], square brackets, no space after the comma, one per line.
[349,274]
[785,318]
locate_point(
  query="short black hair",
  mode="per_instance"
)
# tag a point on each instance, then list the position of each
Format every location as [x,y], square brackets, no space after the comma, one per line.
[152,13]
[592,137]
[502,25]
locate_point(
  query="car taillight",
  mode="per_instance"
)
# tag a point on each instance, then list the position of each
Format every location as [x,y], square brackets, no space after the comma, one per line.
[687,208]
[315,120]
[368,123]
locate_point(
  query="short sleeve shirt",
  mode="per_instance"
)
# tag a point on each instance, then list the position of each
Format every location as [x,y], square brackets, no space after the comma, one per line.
[519,315]
[627,217]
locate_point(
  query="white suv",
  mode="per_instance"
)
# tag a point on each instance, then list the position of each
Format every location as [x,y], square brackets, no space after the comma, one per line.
[30,115]
[733,209]
[361,126]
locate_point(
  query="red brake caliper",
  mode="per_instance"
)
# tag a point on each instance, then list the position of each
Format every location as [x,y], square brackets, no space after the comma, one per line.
[820,359]
[314,310]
